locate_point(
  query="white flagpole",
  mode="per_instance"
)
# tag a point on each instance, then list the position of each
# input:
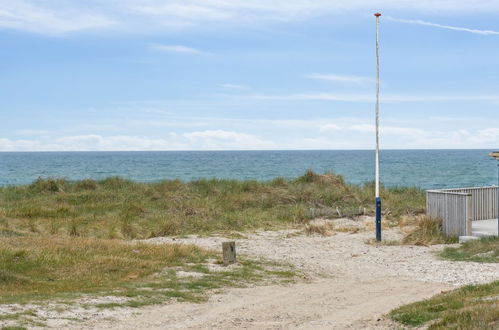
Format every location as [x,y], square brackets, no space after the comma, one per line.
[377,175]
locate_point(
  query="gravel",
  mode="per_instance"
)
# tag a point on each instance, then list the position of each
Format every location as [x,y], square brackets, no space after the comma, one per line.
[348,255]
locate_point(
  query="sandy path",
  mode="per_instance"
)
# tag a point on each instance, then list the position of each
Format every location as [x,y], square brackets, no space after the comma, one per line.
[349,285]
[324,304]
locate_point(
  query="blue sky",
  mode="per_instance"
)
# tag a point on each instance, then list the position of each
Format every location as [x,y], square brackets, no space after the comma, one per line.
[240,74]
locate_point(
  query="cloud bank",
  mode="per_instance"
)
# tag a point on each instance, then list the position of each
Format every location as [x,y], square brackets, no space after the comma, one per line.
[53,17]
[197,140]
[342,133]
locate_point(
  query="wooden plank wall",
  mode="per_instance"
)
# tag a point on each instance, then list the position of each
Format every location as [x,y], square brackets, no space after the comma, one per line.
[459,207]
[485,201]
[453,208]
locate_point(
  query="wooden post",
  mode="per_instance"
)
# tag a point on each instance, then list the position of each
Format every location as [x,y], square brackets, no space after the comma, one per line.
[229,252]
[469,215]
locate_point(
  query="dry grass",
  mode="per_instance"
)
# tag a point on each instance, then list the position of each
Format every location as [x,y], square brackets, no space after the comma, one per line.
[119,208]
[40,266]
[59,238]
[321,229]
[427,232]
[347,229]
[112,274]
[384,242]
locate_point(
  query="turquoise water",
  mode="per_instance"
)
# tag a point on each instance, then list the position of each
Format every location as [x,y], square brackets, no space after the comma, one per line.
[422,168]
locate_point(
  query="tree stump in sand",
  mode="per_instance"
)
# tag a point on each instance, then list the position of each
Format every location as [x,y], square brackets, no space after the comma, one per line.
[229,252]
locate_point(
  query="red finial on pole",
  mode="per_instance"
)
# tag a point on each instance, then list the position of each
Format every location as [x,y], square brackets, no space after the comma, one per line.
[377,14]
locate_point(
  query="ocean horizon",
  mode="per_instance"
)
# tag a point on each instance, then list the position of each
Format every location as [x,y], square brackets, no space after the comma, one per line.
[424,168]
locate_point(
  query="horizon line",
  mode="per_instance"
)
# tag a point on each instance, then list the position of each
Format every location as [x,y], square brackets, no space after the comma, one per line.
[232,150]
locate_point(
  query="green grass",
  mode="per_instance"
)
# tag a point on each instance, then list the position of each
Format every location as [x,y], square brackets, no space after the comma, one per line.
[119,208]
[470,307]
[50,267]
[62,239]
[26,317]
[61,270]
[483,250]
[38,267]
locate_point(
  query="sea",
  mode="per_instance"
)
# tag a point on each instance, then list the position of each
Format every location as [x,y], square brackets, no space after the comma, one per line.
[427,169]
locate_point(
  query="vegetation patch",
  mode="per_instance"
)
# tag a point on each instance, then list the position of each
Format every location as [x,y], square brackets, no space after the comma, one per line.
[384,242]
[321,229]
[470,307]
[39,267]
[427,232]
[119,208]
[111,273]
[482,250]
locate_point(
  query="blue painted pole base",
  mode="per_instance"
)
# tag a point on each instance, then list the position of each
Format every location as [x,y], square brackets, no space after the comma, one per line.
[378,219]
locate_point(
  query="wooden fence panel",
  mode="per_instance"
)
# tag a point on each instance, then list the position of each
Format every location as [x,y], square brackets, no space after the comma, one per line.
[484,200]
[459,207]
[453,208]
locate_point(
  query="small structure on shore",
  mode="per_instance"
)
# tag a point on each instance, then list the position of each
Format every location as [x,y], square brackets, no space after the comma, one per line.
[466,212]
[460,209]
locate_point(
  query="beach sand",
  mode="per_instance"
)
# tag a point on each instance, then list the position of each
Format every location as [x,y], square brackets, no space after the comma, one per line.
[345,284]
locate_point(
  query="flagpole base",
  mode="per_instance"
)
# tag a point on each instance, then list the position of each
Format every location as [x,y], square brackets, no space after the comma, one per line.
[378,219]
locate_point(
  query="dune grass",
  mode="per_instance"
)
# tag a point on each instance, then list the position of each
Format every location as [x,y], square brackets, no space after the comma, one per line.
[427,232]
[482,250]
[113,273]
[59,237]
[37,267]
[119,208]
[469,307]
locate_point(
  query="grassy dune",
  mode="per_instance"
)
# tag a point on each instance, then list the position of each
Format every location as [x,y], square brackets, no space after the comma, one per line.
[60,239]
[119,208]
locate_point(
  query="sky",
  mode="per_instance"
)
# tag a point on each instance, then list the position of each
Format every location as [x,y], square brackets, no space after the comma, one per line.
[247,74]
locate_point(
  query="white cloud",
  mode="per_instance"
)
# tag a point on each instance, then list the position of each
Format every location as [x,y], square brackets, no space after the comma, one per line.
[33,132]
[88,143]
[447,27]
[220,139]
[258,134]
[64,16]
[234,86]
[178,49]
[242,10]
[329,128]
[198,140]
[487,135]
[185,11]
[370,128]
[390,130]
[342,78]
[52,20]
[368,98]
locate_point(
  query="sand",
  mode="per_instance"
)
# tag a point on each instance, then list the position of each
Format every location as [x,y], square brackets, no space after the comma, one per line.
[345,284]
